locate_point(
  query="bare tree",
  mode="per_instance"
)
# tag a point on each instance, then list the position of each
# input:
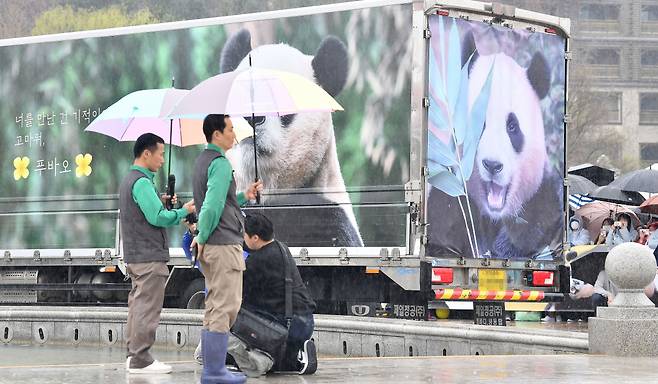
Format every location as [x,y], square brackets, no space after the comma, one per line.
[17,16]
[587,134]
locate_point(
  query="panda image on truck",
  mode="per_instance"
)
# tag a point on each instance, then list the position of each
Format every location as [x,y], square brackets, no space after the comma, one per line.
[297,151]
[515,191]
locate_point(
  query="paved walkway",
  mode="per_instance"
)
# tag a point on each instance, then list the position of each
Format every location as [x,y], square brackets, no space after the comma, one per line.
[76,365]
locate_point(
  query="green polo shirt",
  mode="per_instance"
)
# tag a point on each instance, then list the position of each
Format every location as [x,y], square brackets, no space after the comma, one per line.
[220,173]
[146,196]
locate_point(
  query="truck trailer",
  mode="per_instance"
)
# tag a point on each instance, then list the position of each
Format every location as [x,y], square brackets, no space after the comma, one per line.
[441,183]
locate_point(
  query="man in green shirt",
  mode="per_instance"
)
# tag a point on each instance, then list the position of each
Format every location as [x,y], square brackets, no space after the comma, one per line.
[143,218]
[219,243]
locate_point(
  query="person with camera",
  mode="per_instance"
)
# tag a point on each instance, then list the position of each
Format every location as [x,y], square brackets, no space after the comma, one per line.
[219,244]
[143,219]
[605,290]
[264,293]
[606,227]
[621,231]
[643,234]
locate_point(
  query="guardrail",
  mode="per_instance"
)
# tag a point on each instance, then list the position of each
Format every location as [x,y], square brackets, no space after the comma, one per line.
[334,335]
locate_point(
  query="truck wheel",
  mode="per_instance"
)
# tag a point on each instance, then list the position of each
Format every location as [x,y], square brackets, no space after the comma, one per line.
[194,295]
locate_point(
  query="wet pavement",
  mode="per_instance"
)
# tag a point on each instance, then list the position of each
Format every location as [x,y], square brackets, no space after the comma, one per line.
[73,365]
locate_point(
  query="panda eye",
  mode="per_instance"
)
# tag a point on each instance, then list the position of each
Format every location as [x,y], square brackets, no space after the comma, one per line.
[514,133]
[512,123]
[255,121]
[286,120]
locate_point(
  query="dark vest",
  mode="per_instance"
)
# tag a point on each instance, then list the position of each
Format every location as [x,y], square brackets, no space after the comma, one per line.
[142,242]
[231,224]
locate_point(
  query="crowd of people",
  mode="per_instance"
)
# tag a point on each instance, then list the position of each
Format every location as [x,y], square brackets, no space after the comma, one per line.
[614,230]
[242,262]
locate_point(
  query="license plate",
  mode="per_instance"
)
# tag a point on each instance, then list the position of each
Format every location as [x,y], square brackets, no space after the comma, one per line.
[492,279]
[489,313]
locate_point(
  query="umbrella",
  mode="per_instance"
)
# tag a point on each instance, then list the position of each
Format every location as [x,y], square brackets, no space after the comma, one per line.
[643,216]
[145,111]
[616,195]
[643,180]
[594,213]
[576,201]
[650,205]
[597,174]
[579,185]
[255,92]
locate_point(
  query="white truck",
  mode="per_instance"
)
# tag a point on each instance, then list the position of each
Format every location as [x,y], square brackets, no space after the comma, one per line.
[441,181]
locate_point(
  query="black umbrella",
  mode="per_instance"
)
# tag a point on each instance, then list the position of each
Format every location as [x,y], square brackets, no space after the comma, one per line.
[580,185]
[598,175]
[616,195]
[643,180]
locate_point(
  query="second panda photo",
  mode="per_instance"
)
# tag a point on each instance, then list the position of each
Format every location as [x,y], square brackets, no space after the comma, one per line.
[495,128]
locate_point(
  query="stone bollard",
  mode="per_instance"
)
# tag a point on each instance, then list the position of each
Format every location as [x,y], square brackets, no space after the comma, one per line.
[629,327]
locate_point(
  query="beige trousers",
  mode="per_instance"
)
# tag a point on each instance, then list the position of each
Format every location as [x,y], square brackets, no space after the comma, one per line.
[222,266]
[144,306]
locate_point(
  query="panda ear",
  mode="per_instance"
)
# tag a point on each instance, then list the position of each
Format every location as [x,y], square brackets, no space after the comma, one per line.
[330,65]
[539,75]
[469,49]
[236,48]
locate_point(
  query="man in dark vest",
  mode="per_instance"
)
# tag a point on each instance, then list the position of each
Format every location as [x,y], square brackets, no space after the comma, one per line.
[219,245]
[143,218]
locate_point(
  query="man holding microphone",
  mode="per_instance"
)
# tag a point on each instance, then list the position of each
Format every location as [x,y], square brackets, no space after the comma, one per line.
[219,244]
[143,219]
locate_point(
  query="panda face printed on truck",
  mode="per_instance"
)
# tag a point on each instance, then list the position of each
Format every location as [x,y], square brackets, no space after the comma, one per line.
[511,155]
[292,149]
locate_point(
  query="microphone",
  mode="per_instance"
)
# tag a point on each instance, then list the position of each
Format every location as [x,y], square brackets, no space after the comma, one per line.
[171,186]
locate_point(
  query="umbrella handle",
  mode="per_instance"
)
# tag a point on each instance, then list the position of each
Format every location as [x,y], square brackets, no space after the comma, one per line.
[253,126]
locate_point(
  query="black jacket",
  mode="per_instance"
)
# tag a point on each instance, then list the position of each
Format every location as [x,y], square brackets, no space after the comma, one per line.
[264,283]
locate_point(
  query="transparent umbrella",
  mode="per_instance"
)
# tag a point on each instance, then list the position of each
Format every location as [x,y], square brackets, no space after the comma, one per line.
[254,92]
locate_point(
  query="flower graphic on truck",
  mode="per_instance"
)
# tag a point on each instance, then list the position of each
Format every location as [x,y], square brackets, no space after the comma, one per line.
[20,168]
[83,163]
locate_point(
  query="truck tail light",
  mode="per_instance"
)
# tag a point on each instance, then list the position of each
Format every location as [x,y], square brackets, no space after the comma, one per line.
[442,275]
[542,278]
[443,13]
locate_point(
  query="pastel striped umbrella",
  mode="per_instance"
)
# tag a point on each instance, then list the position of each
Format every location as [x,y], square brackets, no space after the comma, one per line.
[255,91]
[145,111]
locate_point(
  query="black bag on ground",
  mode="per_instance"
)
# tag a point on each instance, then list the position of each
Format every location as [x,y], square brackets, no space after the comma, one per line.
[261,331]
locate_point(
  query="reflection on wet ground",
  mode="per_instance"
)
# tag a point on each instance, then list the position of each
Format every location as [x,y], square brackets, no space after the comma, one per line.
[77,365]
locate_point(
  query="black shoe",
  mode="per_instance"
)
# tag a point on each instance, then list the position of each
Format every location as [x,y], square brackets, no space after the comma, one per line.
[308,358]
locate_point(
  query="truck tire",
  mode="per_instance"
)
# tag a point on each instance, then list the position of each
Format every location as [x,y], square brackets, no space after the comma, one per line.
[194,295]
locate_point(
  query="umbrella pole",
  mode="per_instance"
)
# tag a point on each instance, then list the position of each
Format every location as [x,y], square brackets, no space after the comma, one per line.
[171,133]
[253,126]
[171,123]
